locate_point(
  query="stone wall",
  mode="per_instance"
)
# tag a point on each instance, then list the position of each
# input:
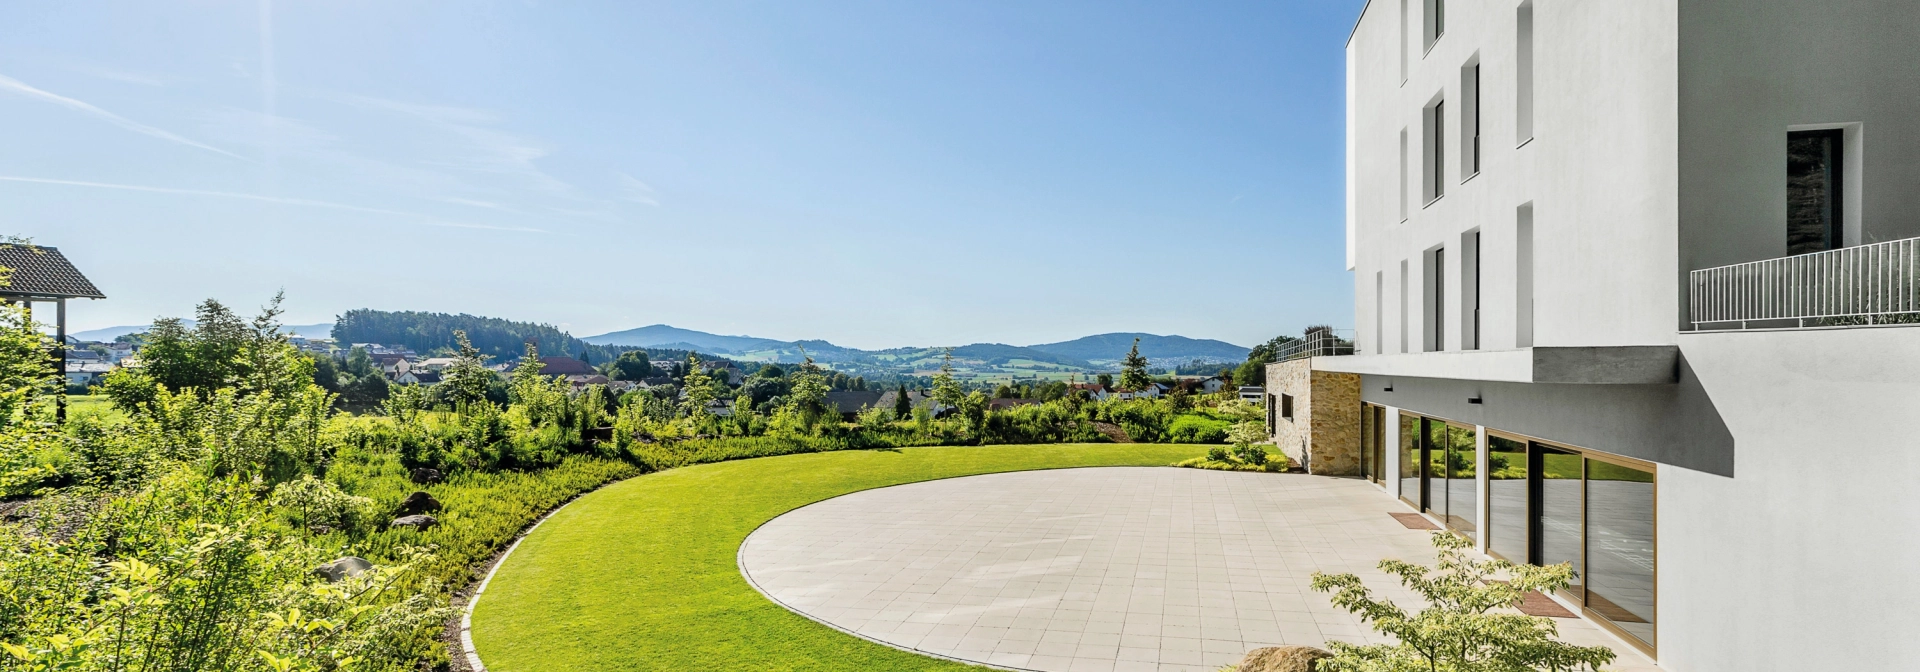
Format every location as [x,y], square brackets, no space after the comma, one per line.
[1324,433]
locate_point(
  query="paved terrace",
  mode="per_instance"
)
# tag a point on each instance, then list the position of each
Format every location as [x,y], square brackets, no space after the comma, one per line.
[1108,569]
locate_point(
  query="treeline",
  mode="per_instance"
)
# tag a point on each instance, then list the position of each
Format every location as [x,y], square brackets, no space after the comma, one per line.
[501,339]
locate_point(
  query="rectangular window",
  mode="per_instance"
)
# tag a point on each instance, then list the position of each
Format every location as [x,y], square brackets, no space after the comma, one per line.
[1379,312]
[1403,306]
[1286,406]
[1507,498]
[1523,72]
[1410,461]
[1470,290]
[1433,325]
[1523,277]
[1815,167]
[1619,549]
[1403,41]
[1403,175]
[1436,21]
[1433,184]
[1470,121]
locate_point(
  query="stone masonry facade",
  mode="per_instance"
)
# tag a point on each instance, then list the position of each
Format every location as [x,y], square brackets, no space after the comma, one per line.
[1323,434]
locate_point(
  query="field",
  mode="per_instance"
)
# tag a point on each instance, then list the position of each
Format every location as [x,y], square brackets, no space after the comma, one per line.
[641,574]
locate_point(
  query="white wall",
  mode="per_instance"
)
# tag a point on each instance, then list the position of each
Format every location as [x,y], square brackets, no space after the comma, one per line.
[1804,558]
[1601,169]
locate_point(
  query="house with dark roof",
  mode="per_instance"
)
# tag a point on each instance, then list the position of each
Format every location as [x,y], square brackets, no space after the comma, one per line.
[565,366]
[850,402]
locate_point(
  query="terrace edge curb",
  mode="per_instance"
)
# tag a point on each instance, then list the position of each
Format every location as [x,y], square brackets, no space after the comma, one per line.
[466,614]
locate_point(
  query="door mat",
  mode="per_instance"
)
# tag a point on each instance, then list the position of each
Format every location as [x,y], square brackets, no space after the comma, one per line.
[1534,603]
[1414,521]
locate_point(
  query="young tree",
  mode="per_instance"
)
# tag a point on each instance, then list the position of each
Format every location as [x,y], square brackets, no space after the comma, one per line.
[25,368]
[468,378]
[902,405]
[1133,370]
[699,387]
[807,392]
[1456,631]
[1104,380]
[946,390]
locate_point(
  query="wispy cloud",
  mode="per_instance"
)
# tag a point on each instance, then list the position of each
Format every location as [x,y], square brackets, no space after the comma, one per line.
[489,150]
[304,202]
[637,191]
[122,76]
[16,86]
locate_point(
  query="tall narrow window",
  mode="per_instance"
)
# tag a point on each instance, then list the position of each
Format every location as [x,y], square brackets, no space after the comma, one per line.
[1379,312]
[1403,306]
[1523,72]
[1814,168]
[1439,300]
[1434,149]
[1439,166]
[1523,277]
[1436,21]
[1403,41]
[1470,121]
[1403,174]
[1470,291]
[1432,326]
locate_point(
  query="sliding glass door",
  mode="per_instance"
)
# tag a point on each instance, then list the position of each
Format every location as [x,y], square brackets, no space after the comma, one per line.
[1619,549]
[1412,460]
[1507,498]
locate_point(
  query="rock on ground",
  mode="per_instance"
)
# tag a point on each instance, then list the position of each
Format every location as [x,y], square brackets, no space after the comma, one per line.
[417,503]
[342,569]
[419,522]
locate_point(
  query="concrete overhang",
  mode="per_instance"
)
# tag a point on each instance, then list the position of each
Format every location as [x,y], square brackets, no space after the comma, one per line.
[1596,365]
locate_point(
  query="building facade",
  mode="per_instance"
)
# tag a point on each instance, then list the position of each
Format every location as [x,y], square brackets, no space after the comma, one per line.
[1635,289]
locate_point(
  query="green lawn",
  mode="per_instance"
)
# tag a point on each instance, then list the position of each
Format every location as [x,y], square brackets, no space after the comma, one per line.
[98,404]
[641,574]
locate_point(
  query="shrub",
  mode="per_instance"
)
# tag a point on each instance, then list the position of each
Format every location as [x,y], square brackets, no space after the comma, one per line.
[1196,428]
[1456,631]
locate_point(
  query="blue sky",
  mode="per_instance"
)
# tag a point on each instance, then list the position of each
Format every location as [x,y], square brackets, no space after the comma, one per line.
[874,174]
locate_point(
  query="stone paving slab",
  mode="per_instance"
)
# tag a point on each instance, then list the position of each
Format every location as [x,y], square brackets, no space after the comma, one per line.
[1108,569]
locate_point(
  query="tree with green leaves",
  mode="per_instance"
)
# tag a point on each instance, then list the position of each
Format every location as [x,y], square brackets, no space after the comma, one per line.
[1458,629]
[468,378]
[632,365]
[902,404]
[699,389]
[25,368]
[946,390]
[1133,370]
[807,392]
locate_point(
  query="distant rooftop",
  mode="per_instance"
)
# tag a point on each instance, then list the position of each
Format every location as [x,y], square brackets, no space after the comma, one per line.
[43,273]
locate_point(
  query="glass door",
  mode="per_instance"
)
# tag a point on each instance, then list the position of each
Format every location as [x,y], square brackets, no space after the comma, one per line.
[1412,460]
[1379,442]
[1508,509]
[1368,465]
[1463,491]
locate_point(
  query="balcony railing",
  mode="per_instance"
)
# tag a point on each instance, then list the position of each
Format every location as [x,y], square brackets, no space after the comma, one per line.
[1854,285]
[1318,344]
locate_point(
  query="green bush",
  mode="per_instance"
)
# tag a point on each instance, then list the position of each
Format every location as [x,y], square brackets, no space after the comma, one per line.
[1197,428]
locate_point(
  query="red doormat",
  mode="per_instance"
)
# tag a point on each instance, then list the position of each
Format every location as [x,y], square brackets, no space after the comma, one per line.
[1536,604]
[1414,521]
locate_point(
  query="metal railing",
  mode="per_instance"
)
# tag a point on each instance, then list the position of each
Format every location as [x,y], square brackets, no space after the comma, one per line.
[1318,344]
[1864,283]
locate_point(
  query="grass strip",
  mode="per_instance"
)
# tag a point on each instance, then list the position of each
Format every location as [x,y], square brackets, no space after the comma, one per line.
[641,574]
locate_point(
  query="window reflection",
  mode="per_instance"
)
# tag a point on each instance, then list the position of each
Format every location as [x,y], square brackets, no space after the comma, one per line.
[1507,498]
[1462,493]
[1410,460]
[1560,511]
[1620,546]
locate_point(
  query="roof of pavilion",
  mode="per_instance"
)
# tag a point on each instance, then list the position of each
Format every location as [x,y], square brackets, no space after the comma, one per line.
[42,273]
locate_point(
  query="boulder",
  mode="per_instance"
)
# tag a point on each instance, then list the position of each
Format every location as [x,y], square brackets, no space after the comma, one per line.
[420,522]
[343,569]
[1283,659]
[417,503]
[424,475]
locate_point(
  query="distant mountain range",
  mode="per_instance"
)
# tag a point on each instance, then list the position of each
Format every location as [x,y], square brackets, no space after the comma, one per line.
[1085,352]
[109,333]
[1156,348]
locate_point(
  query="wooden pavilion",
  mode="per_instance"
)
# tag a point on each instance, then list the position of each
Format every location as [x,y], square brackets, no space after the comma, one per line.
[37,274]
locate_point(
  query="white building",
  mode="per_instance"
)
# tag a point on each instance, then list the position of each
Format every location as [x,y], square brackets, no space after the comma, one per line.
[1620,252]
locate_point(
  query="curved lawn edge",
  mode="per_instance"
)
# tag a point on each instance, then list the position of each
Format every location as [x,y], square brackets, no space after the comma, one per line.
[740,562]
[687,615]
